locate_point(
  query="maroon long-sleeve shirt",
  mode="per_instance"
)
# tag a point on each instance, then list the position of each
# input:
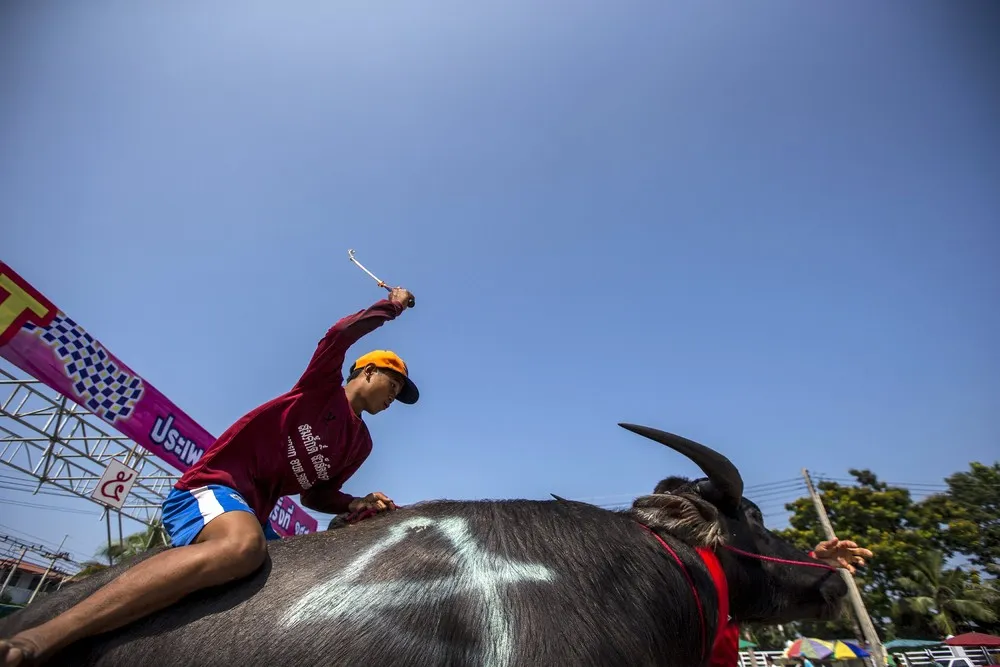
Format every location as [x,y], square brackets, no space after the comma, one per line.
[307,435]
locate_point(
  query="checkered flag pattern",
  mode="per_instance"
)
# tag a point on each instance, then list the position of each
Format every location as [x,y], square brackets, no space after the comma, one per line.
[104,388]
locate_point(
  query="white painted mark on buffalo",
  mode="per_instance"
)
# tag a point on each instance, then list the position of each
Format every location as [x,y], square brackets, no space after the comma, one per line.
[477,572]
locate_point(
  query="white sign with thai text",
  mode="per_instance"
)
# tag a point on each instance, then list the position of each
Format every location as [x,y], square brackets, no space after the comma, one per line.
[115,484]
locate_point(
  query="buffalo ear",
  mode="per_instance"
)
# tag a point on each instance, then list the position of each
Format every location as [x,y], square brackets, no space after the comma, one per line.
[686,516]
[670,484]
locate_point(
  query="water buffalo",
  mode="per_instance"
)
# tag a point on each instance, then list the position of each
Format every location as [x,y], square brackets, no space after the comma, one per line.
[492,583]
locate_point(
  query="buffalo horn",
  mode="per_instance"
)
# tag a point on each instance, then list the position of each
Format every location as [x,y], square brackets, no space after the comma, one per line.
[719,470]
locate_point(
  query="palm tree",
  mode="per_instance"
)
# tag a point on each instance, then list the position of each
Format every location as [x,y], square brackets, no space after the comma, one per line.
[945,599]
[134,544]
[88,568]
[993,583]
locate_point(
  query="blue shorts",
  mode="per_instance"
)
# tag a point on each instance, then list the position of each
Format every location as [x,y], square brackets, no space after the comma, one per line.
[185,513]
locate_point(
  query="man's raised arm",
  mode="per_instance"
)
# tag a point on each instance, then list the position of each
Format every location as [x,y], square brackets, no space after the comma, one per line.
[325,367]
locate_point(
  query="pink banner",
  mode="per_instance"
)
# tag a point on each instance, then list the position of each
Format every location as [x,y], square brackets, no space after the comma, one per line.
[41,340]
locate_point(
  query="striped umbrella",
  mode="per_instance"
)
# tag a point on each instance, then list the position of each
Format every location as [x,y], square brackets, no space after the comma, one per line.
[846,650]
[807,647]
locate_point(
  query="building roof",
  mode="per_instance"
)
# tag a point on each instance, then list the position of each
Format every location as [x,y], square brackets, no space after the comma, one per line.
[31,568]
[973,639]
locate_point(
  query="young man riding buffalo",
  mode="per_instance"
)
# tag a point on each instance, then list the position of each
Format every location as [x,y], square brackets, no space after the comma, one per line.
[308,441]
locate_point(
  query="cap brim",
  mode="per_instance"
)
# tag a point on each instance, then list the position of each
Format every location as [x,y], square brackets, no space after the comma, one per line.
[409,393]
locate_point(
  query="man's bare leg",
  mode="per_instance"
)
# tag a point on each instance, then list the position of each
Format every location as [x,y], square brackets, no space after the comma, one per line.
[230,547]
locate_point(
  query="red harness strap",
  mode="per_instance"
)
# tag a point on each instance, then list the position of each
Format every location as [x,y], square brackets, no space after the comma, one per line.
[721,585]
[724,650]
[725,646]
[721,588]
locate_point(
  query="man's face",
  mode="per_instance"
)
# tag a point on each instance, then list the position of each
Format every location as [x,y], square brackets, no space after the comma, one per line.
[380,389]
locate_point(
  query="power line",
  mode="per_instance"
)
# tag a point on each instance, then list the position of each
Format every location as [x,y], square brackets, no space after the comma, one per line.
[29,487]
[777,502]
[48,543]
[783,491]
[21,532]
[781,482]
[798,490]
[772,501]
[39,506]
[759,490]
[36,548]
[852,480]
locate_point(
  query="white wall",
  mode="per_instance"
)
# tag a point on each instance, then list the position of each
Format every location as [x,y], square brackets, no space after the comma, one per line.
[23,584]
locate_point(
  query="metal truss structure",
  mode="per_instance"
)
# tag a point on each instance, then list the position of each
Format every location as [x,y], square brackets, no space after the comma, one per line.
[57,442]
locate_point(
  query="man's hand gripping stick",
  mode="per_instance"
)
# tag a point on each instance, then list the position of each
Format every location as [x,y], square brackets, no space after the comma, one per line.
[381,283]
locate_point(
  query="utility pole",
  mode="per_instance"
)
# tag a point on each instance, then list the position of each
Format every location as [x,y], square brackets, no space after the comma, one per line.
[13,569]
[38,549]
[56,556]
[867,627]
[750,653]
[111,551]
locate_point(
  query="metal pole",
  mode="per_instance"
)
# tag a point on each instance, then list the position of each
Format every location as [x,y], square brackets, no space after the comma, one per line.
[47,570]
[750,652]
[111,560]
[40,582]
[867,627]
[13,569]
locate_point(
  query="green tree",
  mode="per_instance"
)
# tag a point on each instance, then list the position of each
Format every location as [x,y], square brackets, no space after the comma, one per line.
[770,637]
[971,513]
[90,567]
[133,544]
[991,579]
[936,601]
[879,517]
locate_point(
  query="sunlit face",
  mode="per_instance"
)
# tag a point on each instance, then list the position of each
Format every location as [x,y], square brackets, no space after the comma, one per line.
[381,387]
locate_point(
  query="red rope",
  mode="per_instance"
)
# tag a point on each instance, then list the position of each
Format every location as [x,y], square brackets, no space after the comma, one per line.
[694,590]
[779,560]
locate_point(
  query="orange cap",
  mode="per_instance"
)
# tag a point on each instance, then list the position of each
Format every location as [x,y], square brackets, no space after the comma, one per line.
[391,361]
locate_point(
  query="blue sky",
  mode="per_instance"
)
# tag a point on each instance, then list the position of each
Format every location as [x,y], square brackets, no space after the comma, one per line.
[771,227]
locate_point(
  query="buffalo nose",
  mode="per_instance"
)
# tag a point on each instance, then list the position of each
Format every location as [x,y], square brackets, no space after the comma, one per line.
[834,589]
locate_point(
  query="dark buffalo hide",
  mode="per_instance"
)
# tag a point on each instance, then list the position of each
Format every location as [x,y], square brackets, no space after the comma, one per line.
[442,583]
[487,583]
